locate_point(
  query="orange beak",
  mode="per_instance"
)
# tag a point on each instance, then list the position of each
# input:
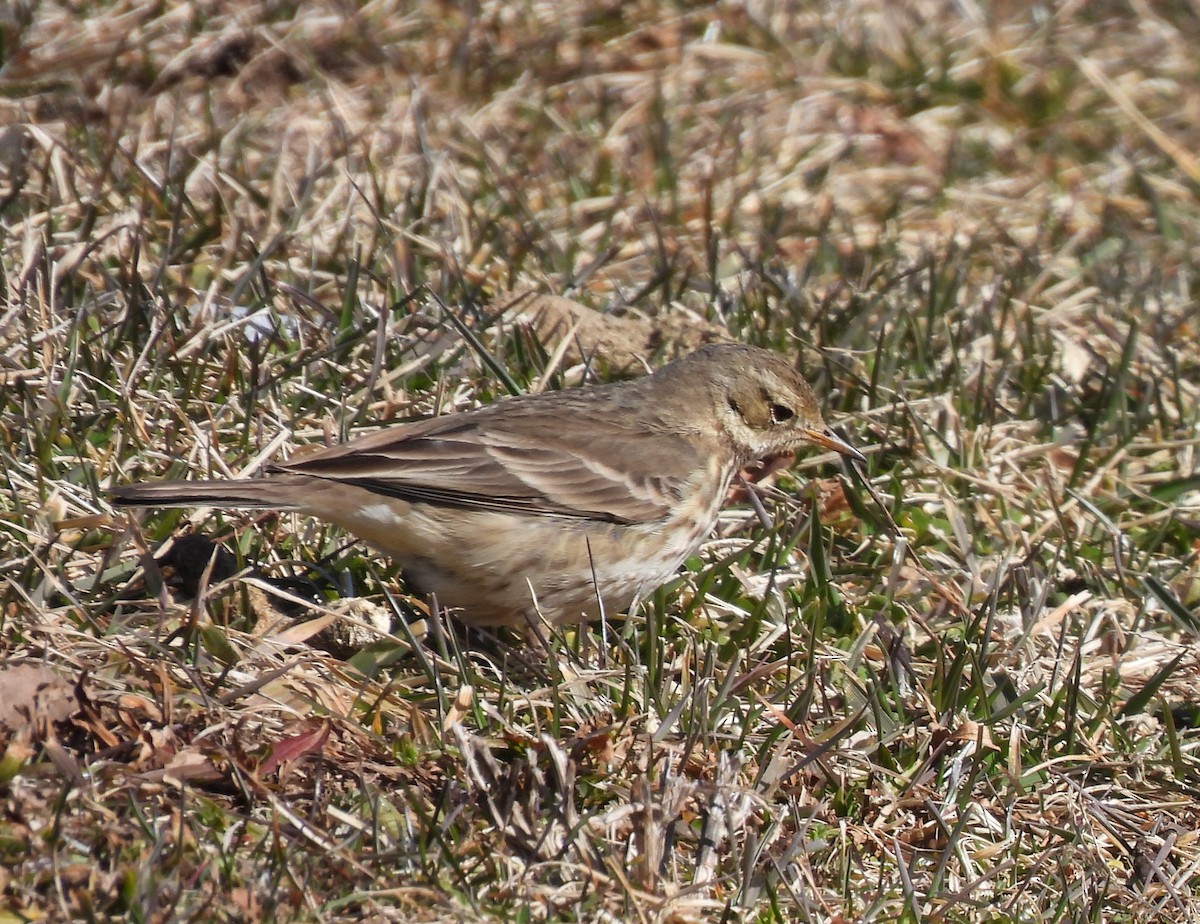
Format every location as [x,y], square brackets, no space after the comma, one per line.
[826,439]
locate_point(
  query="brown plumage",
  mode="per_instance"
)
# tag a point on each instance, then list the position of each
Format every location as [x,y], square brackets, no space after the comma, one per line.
[545,503]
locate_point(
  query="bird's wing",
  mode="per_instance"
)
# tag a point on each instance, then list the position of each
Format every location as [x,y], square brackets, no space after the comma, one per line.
[531,463]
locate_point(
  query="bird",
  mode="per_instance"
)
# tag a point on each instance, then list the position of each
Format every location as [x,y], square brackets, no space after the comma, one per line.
[556,507]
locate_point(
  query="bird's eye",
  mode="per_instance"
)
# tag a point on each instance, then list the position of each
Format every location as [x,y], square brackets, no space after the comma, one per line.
[781,412]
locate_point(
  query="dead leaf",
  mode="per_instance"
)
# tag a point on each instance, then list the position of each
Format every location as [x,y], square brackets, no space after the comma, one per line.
[187,765]
[33,697]
[619,343]
[291,749]
[139,709]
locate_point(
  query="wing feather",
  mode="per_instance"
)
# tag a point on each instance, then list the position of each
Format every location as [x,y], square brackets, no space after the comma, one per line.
[505,458]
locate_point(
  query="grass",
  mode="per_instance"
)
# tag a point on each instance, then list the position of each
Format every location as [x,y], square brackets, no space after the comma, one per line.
[958,690]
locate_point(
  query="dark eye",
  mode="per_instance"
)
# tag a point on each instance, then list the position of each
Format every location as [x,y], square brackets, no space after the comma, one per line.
[781,412]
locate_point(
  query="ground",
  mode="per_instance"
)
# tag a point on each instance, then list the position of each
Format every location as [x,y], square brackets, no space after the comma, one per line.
[958,685]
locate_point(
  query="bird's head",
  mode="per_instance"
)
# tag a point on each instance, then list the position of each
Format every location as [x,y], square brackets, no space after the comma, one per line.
[764,407]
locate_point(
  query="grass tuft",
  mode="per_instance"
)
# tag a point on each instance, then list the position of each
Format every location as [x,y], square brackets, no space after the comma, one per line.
[956,688]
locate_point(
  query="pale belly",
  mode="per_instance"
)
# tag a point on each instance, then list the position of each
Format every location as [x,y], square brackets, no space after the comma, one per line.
[500,569]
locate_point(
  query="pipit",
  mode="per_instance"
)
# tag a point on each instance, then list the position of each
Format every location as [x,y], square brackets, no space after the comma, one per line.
[552,505]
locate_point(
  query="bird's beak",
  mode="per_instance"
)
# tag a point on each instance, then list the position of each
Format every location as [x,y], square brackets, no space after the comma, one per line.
[827,439]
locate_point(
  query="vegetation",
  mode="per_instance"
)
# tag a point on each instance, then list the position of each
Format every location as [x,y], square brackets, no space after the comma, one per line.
[960,687]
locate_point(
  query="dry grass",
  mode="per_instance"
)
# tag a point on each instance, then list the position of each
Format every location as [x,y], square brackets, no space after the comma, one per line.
[230,229]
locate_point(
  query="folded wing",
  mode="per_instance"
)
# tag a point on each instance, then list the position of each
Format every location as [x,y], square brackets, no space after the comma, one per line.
[597,469]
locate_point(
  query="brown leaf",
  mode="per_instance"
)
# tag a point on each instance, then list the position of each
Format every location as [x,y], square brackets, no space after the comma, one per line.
[140,709]
[32,697]
[620,343]
[189,764]
[289,749]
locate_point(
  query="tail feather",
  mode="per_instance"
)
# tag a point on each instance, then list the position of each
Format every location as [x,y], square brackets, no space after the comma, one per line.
[276,493]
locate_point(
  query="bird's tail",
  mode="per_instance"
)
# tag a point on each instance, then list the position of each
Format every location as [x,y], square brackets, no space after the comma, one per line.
[275,493]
